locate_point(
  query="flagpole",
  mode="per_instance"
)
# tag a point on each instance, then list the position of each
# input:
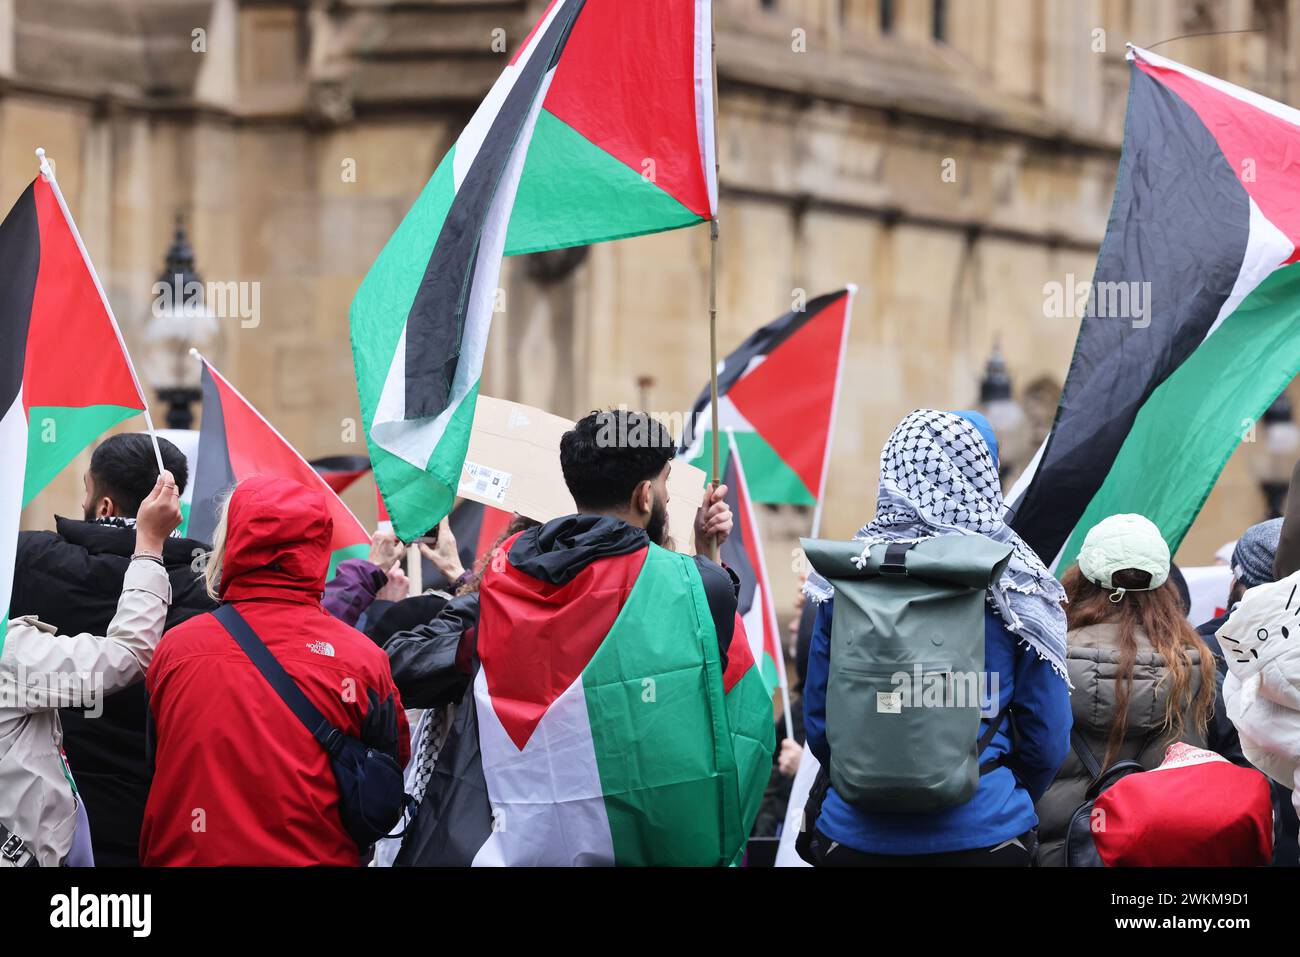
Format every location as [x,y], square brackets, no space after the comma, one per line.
[48,172]
[835,404]
[713,262]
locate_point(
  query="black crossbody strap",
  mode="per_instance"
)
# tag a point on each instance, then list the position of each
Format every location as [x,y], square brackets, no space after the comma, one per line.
[1085,755]
[278,678]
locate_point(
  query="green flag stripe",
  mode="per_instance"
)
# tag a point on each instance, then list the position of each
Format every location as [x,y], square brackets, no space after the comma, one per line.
[658,724]
[771,481]
[343,554]
[56,435]
[573,193]
[1186,432]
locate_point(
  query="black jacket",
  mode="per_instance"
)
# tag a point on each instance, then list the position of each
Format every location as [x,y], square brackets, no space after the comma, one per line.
[72,579]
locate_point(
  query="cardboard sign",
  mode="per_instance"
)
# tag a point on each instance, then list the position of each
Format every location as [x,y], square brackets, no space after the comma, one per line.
[513,464]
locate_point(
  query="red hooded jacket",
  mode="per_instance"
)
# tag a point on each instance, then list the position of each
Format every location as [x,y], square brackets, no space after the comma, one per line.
[238,780]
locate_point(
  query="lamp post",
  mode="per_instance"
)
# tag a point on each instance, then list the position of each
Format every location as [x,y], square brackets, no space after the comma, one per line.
[179,320]
[1274,463]
[998,405]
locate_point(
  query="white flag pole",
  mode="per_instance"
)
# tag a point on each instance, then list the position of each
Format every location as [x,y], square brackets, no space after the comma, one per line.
[835,404]
[47,171]
[769,607]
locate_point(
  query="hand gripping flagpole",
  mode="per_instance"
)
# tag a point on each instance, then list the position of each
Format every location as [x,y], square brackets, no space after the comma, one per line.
[47,171]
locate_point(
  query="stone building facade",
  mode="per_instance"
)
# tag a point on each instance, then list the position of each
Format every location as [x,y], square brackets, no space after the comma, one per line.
[950,157]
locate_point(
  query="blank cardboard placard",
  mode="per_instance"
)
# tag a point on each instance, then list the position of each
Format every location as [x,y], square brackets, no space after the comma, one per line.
[513,464]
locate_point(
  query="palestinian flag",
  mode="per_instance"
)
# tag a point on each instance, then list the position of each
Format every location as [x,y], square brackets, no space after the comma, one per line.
[1190,329]
[777,393]
[603,727]
[742,552]
[340,471]
[65,376]
[600,128]
[236,443]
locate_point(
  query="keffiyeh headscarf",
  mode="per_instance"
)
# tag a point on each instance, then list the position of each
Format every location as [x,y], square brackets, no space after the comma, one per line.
[938,477]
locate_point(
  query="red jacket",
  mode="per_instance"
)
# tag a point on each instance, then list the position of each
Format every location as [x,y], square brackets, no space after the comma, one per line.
[238,780]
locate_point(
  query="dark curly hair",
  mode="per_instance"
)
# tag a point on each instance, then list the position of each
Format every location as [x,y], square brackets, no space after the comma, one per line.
[608,454]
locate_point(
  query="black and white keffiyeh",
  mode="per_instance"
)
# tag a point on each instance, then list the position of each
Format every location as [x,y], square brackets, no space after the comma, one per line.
[938,477]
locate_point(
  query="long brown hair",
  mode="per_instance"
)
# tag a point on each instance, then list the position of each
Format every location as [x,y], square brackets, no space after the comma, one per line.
[1160,614]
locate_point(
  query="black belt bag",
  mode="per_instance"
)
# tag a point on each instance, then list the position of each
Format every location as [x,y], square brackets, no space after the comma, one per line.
[371,795]
[13,849]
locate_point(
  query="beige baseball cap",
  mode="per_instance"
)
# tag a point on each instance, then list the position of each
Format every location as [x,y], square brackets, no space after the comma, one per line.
[1124,541]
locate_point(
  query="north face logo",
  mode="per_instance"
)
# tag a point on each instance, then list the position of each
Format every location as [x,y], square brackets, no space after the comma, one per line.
[321,648]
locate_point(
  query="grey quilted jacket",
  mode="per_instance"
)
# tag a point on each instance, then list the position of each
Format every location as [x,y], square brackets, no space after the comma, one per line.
[1093,662]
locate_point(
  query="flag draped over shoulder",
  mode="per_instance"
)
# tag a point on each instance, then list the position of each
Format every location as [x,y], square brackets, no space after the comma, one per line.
[236,443]
[777,394]
[603,728]
[600,128]
[65,376]
[1190,329]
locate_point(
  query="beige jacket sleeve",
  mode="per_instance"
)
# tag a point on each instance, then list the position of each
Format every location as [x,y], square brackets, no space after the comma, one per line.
[49,670]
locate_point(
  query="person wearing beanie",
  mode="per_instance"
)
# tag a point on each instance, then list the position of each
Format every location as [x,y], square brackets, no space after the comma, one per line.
[1142,678]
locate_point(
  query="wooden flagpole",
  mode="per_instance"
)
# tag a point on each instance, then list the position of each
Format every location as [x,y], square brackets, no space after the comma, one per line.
[713,267]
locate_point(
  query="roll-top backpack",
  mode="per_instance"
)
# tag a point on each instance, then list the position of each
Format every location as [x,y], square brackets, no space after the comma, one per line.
[907,681]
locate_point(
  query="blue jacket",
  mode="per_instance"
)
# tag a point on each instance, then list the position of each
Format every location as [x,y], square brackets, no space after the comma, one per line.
[1003,806]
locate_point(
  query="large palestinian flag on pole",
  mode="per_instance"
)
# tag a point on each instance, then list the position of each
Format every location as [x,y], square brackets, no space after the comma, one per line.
[600,128]
[777,393]
[65,375]
[1192,326]
[604,728]
[236,443]
[742,552]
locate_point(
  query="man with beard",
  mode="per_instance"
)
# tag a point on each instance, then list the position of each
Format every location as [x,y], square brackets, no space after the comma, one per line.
[72,578]
[537,667]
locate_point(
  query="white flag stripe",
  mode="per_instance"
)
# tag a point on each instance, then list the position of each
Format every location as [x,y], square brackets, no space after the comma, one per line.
[476,131]
[1266,249]
[539,828]
[13,447]
[415,440]
[704,119]
[732,421]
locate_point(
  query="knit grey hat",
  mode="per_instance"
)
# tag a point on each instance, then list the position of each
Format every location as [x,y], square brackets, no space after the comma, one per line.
[1252,559]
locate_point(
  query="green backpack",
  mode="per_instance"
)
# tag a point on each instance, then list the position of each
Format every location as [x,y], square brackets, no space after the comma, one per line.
[907,681]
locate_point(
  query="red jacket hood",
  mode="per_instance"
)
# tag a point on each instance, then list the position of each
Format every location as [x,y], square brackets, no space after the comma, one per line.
[278,538]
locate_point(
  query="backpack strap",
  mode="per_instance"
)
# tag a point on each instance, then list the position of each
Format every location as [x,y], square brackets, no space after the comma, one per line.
[279,680]
[1085,755]
[895,560]
[995,725]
